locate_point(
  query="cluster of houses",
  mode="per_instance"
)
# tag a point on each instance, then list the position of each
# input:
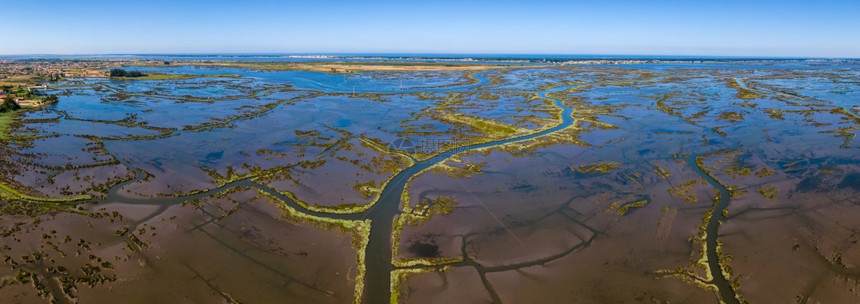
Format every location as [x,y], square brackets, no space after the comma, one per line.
[50,67]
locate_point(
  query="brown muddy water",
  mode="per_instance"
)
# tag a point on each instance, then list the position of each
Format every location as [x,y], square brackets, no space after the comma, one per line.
[592,184]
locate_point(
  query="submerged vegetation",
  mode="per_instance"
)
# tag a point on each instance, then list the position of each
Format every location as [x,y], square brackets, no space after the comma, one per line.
[743,91]
[598,168]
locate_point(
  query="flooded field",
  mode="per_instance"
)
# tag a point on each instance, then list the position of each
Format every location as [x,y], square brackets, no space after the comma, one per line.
[642,183]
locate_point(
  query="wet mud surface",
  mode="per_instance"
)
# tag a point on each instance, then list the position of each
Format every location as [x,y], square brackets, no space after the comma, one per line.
[587,184]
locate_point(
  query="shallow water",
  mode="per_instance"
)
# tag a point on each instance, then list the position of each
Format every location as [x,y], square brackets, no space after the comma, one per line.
[660,182]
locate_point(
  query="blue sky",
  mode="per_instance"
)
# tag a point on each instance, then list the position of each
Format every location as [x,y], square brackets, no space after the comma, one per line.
[728,28]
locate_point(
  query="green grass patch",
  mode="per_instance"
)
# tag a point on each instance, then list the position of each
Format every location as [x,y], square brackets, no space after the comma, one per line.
[10,193]
[6,121]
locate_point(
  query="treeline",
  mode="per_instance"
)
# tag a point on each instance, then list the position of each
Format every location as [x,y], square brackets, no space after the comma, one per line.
[124,73]
[9,104]
[17,91]
[51,77]
[51,99]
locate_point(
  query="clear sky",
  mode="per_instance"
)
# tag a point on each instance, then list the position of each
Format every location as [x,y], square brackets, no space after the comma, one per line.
[730,28]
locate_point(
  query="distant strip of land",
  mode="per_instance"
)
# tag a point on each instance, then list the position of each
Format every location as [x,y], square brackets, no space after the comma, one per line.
[340,67]
[163,76]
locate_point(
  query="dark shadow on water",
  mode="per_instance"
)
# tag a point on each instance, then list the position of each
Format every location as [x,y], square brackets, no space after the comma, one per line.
[850,181]
[213,156]
[424,250]
[523,187]
[809,184]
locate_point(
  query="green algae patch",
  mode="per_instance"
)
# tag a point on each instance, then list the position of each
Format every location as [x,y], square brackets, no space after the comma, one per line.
[830,170]
[399,276]
[488,96]
[765,172]
[367,189]
[597,168]
[402,158]
[743,93]
[10,193]
[36,208]
[847,133]
[663,107]
[662,173]
[626,207]
[458,168]
[339,209]
[768,191]
[230,176]
[732,164]
[774,113]
[486,126]
[428,208]
[685,191]
[732,116]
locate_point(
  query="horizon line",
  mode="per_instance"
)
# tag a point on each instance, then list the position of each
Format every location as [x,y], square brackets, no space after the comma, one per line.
[437,55]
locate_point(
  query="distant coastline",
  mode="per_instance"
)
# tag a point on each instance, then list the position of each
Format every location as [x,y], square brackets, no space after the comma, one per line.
[459,58]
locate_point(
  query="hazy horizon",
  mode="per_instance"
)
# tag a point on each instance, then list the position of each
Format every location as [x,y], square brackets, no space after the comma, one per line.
[512,56]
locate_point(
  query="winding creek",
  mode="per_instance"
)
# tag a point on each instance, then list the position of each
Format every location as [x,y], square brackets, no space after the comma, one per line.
[712,230]
[383,213]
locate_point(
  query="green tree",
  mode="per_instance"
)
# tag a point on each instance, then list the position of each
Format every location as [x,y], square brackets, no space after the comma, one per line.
[118,73]
[9,104]
[52,99]
[124,73]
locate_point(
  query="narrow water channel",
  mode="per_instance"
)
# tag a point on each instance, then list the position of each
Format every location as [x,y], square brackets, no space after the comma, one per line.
[379,248]
[725,289]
